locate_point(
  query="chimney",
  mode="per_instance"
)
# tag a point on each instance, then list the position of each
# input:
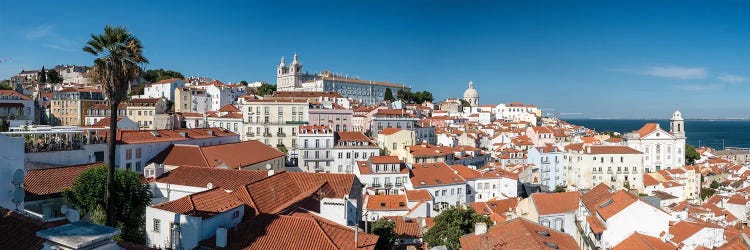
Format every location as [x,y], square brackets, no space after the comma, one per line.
[221,237]
[480,228]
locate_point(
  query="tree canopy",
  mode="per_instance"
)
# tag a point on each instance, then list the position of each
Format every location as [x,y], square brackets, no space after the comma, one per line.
[155,75]
[132,197]
[264,89]
[690,154]
[388,96]
[383,228]
[418,97]
[451,224]
[53,76]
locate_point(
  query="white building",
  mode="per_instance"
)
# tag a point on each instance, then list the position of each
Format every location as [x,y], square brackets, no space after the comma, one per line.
[445,185]
[183,223]
[485,185]
[383,175]
[163,88]
[615,166]
[471,95]
[221,94]
[661,149]
[291,78]
[550,161]
[518,112]
[16,108]
[12,157]
[314,146]
[349,148]
[274,121]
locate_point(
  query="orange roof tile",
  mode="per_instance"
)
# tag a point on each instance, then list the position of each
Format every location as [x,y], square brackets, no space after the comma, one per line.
[641,241]
[649,180]
[233,155]
[406,227]
[518,233]
[386,202]
[202,204]
[555,203]
[418,195]
[40,183]
[200,177]
[595,224]
[433,174]
[385,159]
[19,231]
[683,230]
[389,131]
[229,108]
[615,203]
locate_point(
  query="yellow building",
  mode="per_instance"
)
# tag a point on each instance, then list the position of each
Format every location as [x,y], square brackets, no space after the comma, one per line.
[68,106]
[145,111]
[392,139]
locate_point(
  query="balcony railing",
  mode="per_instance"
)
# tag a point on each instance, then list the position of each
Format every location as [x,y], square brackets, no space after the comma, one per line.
[281,134]
[267,134]
[250,134]
[376,185]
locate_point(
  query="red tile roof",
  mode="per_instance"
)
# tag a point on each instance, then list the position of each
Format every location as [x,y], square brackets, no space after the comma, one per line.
[555,203]
[615,203]
[518,233]
[406,227]
[386,159]
[595,224]
[293,232]
[351,136]
[200,177]
[19,231]
[202,204]
[418,195]
[233,155]
[386,202]
[649,180]
[595,196]
[14,93]
[683,230]
[164,135]
[641,241]
[389,131]
[41,183]
[433,174]
[229,108]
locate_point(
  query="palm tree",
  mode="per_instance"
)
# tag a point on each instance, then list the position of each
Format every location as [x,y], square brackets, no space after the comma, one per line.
[119,57]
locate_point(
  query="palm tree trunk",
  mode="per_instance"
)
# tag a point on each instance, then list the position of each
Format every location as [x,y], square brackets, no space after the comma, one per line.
[111,143]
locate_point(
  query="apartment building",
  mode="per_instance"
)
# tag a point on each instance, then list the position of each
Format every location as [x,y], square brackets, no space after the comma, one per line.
[68,106]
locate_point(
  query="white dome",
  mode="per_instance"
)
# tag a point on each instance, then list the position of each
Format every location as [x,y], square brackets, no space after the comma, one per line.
[471,92]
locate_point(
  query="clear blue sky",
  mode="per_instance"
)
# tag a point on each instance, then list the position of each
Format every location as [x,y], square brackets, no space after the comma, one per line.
[630,60]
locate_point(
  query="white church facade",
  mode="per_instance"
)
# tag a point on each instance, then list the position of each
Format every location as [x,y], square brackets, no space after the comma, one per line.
[661,149]
[291,78]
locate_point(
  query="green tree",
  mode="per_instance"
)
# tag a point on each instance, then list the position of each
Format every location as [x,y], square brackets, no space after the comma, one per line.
[388,96]
[282,148]
[155,75]
[244,83]
[402,95]
[5,86]
[53,76]
[451,224]
[265,89]
[690,154]
[383,228]
[707,193]
[88,195]
[43,75]
[714,184]
[559,189]
[464,103]
[119,59]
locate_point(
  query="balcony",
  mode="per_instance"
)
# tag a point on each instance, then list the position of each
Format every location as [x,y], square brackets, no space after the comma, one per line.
[389,185]
[250,134]
[267,134]
[377,185]
[282,134]
[399,184]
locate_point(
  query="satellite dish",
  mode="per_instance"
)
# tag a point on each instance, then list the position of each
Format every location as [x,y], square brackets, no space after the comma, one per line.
[210,185]
[18,177]
[18,195]
[268,166]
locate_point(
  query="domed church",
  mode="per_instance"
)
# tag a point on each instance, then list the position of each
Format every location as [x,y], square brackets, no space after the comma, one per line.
[471,95]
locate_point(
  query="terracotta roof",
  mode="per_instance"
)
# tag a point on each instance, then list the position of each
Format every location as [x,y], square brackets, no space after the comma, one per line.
[641,241]
[386,202]
[200,177]
[406,227]
[389,131]
[519,233]
[351,136]
[19,231]
[595,196]
[293,232]
[612,150]
[683,230]
[555,203]
[595,224]
[143,102]
[385,159]
[40,183]
[649,180]
[499,207]
[307,94]
[433,174]
[229,108]
[615,203]
[233,155]
[202,204]
[647,129]
[418,195]
[14,93]
[738,243]
[104,122]
[285,191]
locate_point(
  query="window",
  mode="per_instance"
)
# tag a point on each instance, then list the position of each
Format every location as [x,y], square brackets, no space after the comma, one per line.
[236,214]
[157,225]
[138,153]
[128,154]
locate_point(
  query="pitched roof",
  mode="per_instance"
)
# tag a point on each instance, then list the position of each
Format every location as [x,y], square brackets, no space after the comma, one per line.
[385,159]
[418,195]
[233,155]
[593,197]
[389,131]
[164,135]
[649,180]
[19,231]
[406,227]
[683,230]
[433,174]
[229,108]
[555,203]
[14,93]
[293,232]
[641,241]
[349,136]
[202,204]
[42,183]
[519,233]
[218,177]
[386,202]
[615,203]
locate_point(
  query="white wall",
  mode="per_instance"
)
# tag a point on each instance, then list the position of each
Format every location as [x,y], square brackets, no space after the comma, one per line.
[11,159]
[706,237]
[192,229]
[651,221]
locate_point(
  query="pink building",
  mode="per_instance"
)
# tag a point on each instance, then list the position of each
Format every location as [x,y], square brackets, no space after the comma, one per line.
[540,135]
[337,118]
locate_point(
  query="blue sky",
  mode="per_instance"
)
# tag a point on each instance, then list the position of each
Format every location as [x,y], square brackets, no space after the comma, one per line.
[603,59]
